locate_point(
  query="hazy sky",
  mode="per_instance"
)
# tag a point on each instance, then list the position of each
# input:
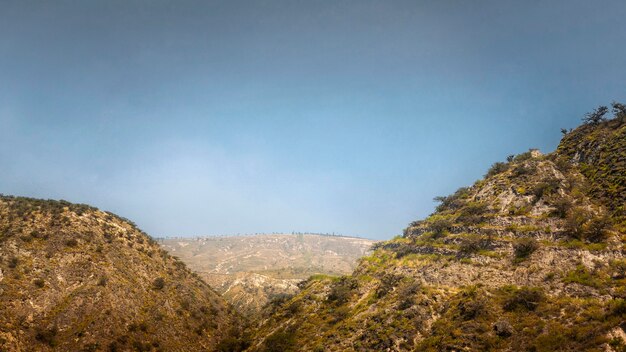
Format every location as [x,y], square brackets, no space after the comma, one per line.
[225,117]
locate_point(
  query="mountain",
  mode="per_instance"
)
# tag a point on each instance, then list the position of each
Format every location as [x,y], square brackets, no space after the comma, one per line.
[249,271]
[530,258]
[74,278]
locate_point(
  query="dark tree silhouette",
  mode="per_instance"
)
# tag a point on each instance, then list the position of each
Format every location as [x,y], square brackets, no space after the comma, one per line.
[596,116]
[619,110]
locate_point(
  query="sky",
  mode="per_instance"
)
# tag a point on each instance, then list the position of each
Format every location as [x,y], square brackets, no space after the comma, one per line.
[231,117]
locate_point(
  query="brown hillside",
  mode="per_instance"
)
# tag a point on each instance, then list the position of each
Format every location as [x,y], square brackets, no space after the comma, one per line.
[73,278]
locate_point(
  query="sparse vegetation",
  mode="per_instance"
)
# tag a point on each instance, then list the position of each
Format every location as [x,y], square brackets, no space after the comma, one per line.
[158,283]
[497,168]
[525,298]
[524,248]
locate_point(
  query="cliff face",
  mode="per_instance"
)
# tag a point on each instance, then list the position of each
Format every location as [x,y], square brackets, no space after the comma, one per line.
[74,278]
[529,258]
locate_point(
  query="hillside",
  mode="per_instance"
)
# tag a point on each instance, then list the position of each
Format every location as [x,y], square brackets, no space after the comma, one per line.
[73,278]
[530,258]
[251,270]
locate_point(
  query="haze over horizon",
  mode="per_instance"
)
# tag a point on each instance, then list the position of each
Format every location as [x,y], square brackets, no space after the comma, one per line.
[228,117]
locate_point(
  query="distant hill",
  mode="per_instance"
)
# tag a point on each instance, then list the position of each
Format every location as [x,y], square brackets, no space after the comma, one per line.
[529,258]
[73,278]
[251,270]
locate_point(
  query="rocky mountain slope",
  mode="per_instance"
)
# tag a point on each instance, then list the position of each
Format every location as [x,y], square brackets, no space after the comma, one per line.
[251,270]
[530,258]
[73,278]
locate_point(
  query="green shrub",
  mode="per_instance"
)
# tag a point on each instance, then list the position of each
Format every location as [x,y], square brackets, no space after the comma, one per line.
[523,157]
[474,245]
[524,298]
[341,290]
[453,201]
[562,206]
[440,226]
[283,340]
[546,187]
[581,275]
[387,283]
[524,248]
[497,168]
[585,226]
[473,213]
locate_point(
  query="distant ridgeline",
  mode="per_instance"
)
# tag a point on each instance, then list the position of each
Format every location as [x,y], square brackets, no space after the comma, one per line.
[161,238]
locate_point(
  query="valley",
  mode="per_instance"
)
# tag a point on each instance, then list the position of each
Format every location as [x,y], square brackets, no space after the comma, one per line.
[250,270]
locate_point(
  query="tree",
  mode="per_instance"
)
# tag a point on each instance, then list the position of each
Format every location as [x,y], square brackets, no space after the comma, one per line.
[619,110]
[564,131]
[596,116]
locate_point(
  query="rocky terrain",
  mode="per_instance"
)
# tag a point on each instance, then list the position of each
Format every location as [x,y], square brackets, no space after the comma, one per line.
[249,271]
[530,258]
[73,278]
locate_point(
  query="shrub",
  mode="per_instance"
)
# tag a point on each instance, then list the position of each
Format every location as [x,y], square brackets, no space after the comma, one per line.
[39,283]
[440,226]
[475,245]
[339,314]
[523,156]
[47,336]
[525,298]
[546,187]
[497,168]
[617,307]
[585,226]
[281,341]
[562,206]
[234,344]
[13,261]
[102,280]
[342,290]
[473,213]
[453,201]
[387,283]
[596,116]
[524,248]
[473,307]
[158,283]
[71,242]
[581,275]
[597,229]
[521,170]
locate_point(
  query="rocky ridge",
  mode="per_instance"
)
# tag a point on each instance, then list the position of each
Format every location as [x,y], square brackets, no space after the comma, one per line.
[529,258]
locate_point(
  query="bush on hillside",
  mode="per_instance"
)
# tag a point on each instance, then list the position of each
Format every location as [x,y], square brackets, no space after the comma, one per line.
[497,168]
[524,248]
[525,298]
[341,290]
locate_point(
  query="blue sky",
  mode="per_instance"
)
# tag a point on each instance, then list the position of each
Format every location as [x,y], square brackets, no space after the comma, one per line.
[226,117]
